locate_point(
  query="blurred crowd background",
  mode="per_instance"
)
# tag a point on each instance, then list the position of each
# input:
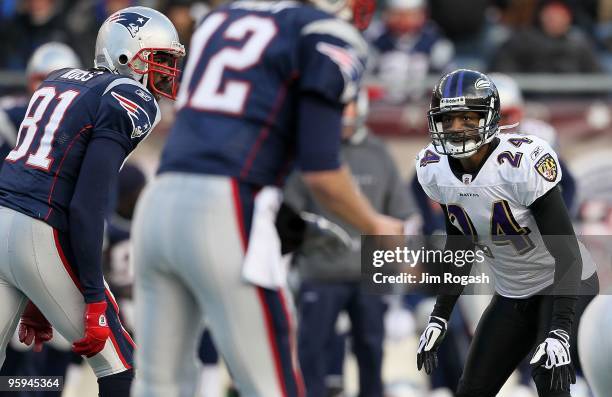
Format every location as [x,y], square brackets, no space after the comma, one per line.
[556,63]
[559,51]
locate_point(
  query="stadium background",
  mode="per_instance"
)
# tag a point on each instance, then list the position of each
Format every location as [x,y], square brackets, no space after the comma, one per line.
[574,98]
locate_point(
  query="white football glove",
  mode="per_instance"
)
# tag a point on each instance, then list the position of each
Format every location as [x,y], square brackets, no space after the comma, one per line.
[427,354]
[554,355]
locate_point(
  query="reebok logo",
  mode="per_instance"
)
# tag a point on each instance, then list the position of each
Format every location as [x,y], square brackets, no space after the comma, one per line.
[460,100]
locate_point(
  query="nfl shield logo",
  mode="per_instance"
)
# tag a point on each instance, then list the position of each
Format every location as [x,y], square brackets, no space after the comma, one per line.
[467,179]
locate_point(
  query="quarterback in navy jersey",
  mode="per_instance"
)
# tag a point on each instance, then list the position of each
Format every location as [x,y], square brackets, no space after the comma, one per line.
[79,127]
[237,113]
[264,89]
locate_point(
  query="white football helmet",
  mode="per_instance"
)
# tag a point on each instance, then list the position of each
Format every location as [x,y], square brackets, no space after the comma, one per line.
[360,12]
[47,58]
[509,92]
[51,56]
[143,44]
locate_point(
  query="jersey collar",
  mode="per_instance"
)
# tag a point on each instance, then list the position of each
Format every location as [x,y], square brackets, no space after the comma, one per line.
[457,169]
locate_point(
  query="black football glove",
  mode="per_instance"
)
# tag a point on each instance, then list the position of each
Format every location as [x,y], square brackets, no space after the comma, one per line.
[290,227]
[427,354]
[554,355]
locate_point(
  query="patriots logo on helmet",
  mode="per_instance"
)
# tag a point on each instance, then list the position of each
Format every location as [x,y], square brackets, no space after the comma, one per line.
[140,119]
[131,21]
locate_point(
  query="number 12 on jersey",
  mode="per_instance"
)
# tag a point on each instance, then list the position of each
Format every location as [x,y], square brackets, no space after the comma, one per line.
[214,92]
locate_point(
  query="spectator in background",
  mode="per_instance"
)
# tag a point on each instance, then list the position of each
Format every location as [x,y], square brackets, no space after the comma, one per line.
[83,21]
[589,15]
[596,18]
[331,271]
[8,8]
[551,47]
[465,24]
[38,22]
[409,46]
[515,13]
[507,16]
[181,15]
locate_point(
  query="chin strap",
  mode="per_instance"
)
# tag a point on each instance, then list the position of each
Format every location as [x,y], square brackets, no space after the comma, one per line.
[508,127]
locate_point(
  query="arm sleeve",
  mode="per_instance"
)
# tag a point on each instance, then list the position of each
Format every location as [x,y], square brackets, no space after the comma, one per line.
[455,241]
[556,229]
[568,186]
[98,175]
[319,127]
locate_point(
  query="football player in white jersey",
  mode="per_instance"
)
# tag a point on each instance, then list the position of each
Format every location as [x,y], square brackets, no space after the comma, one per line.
[501,191]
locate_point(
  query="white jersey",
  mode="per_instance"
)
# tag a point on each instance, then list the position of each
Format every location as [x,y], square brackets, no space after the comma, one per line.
[495,203]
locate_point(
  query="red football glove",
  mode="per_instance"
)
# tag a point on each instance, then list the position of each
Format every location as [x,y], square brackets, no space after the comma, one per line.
[96,330]
[34,327]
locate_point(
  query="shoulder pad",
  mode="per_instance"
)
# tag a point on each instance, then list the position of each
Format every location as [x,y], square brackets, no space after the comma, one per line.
[127,111]
[427,166]
[338,29]
[538,168]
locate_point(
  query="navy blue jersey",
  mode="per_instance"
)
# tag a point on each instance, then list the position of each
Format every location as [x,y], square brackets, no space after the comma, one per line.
[250,62]
[12,111]
[69,109]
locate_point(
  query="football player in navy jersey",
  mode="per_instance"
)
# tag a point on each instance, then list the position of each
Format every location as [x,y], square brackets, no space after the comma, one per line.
[47,58]
[79,127]
[264,89]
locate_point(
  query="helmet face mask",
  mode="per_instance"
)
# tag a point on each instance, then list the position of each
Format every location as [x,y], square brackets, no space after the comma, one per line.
[160,69]
[141,43]
[359,12]
[363,11]
[463,91]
